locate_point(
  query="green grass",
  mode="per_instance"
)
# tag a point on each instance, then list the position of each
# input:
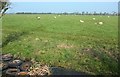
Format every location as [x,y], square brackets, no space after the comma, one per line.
[64,41]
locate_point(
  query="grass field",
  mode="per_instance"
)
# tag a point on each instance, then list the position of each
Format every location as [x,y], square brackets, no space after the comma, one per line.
[64,41]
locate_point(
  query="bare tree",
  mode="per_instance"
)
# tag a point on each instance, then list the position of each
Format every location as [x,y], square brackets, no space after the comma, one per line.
[4,6]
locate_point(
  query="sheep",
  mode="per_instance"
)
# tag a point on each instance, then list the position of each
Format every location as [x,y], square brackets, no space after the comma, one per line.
[93,18]
[100,23]
[108,16]
[38,17]
[55,17]
[81,21]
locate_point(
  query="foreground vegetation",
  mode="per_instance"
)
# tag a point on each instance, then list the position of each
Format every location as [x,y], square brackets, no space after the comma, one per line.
[64,41]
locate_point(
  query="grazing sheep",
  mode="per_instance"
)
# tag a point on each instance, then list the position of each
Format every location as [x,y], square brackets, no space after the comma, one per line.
[93,18]
[100,23]
[81,21]
[55,17]
[38,17]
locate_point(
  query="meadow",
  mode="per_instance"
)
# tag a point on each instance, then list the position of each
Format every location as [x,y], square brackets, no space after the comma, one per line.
[64,41]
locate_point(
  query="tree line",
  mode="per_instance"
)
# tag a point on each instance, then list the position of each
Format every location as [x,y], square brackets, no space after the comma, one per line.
[75,13]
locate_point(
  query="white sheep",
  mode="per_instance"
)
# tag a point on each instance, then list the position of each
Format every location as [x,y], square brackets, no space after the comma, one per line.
[93,18]
[55,17]
[38,17]
[81,21]
[100,23]
[108,16]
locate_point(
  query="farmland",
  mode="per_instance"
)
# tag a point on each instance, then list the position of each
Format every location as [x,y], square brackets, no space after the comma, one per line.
[64,41]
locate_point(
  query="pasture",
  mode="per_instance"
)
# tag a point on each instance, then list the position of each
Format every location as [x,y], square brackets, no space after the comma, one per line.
[62,40]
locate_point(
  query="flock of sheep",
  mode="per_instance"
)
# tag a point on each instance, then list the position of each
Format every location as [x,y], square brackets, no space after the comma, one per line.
[39,17]
[81,21]
[100,23]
